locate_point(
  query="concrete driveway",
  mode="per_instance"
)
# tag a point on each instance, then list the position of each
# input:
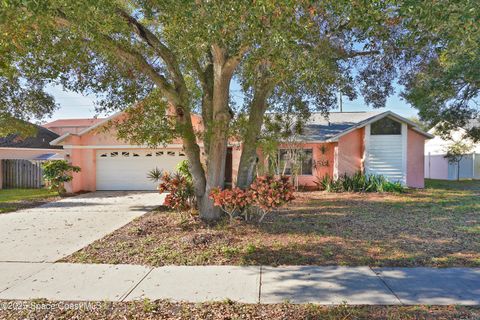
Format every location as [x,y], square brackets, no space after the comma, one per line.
[57,229]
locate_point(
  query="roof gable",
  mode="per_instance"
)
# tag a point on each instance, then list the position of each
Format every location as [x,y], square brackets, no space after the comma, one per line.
[339,124]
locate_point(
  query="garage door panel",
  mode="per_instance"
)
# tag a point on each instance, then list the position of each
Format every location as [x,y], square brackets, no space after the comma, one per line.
[127,170]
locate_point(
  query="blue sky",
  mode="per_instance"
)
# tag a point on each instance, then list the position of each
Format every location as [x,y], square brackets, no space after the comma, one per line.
[73,105]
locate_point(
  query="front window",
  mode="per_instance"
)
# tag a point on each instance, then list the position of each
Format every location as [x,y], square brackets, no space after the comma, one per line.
[386,126]
[295,161]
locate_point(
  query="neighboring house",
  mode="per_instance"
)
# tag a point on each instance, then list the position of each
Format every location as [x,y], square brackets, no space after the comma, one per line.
[437,167]
[63,126]
[373,142]
[29,148]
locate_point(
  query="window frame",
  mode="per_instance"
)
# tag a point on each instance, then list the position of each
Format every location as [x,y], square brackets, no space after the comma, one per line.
[373,132]
[310,150]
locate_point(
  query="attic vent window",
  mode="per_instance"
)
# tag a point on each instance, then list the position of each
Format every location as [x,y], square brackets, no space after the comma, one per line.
[386,126]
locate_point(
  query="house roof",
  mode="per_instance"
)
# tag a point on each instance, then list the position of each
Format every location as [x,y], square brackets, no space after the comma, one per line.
[41,140]
[74,123]
[320,128]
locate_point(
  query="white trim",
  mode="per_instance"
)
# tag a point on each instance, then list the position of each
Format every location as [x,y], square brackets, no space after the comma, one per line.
[101,123]
[378,117]
[404,151]
[31,149]
[60,139]
[125,146]
[335,163]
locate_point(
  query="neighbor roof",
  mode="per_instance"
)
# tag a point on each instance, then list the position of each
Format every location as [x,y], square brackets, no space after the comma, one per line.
[41,140]
[73,122]
[337,124]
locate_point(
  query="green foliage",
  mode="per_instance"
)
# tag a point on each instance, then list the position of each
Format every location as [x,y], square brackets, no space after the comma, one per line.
[184,169]
[456,151]
[57,172]
[358,183]
[442,80]
[155,174]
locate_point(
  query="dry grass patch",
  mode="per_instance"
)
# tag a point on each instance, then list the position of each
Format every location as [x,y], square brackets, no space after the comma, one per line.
[436,227]
[228,310]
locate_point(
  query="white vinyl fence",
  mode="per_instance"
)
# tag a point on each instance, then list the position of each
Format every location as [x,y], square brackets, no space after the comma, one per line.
[437,167]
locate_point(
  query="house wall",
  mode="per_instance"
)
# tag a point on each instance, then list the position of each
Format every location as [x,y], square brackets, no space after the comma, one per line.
[350,152]
[81,151]
[415,160]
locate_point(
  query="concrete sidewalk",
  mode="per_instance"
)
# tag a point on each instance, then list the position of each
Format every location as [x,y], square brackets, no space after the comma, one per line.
[255,284]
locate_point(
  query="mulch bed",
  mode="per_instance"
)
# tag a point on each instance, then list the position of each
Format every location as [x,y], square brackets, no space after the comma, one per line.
[438,228]
[42,309]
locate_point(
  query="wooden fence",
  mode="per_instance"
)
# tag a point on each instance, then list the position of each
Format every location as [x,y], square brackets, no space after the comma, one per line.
[22,174]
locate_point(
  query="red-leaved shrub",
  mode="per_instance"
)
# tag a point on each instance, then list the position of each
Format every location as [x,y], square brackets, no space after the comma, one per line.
[231,201]
[268,193]
[180,195]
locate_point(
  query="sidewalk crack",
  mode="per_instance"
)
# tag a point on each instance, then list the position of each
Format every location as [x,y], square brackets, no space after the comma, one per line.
[136,285]
[388,287]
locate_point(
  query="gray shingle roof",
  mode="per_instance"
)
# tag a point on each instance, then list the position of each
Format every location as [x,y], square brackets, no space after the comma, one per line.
[320,128]
[41,140]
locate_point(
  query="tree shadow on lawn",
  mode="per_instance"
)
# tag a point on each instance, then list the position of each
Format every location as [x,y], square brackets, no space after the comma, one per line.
[416,228]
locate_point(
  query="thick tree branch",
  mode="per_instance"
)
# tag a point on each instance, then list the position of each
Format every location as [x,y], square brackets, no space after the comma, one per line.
[161,49]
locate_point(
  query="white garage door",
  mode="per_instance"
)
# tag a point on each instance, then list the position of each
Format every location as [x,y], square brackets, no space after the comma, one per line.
[127,169]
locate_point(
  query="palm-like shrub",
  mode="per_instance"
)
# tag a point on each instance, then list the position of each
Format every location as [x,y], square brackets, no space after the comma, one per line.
[358,182]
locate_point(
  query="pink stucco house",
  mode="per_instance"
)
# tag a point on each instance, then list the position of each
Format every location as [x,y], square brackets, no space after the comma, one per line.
[373,142]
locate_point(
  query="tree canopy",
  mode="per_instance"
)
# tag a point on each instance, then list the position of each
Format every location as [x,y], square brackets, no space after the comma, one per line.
[172,58]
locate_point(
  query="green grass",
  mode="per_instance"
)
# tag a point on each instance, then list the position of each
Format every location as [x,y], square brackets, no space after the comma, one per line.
[14,199]
[472,185]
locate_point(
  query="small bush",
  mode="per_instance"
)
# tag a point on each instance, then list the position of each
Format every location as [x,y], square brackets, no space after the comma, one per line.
[359,183]
[181,195]
[231,201]
[57,172]
[266,193]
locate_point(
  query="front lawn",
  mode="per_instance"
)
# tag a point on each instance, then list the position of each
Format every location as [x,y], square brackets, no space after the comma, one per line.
[15,199]
[162,309]
[438,226]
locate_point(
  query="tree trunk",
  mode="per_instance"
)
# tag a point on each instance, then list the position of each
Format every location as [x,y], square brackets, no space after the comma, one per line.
[218,132]
[248,159]
[192,151]
[458,171]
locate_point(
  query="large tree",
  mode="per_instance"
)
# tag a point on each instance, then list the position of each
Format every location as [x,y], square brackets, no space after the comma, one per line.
[442,77]
[163,55]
